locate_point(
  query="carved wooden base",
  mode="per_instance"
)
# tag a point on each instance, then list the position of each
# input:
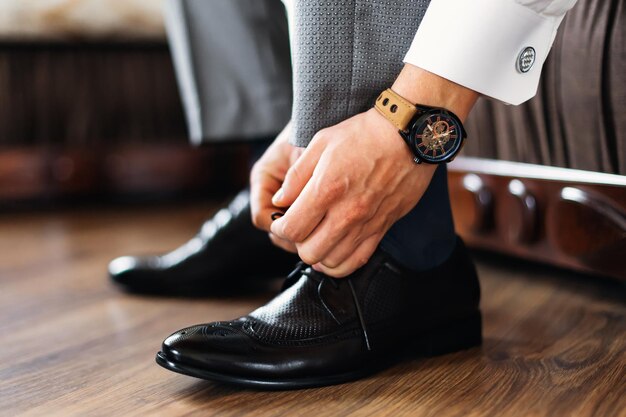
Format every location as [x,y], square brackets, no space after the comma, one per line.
[565,217]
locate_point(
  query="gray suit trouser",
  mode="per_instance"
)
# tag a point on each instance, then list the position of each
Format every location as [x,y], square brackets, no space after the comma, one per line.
[233,67]
[344,54]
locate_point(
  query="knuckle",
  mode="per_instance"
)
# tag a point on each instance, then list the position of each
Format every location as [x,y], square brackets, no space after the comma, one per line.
[289,232]
[356,213]
[320,136]
[334,189]
[307,257]
[363,206]
[343,225]
[282,244]
[275,240]
[360,261]
[332,263]
[341,272]
[293,174]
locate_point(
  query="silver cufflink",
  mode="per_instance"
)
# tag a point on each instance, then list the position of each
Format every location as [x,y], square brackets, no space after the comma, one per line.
[526,59]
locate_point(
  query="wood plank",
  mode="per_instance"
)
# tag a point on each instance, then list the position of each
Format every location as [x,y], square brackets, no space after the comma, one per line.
[73,345]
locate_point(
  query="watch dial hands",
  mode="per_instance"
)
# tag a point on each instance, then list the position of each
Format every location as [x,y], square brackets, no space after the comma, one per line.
[442,135]
[435,136]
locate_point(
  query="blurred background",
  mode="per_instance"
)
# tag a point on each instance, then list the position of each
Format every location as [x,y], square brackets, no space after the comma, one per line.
[90,109]
[90,113]
[96,162]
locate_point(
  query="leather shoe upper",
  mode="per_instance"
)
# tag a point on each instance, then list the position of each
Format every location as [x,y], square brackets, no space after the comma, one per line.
[318,325]
[227,249]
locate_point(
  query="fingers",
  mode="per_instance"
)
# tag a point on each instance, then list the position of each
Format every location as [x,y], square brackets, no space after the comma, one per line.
[304,215]
[342,250]
[323,241]
[359,258]
[345,246]
[297,177]
[335,241]
[284,166]
[266,178]
[319,189]
[283,244]
[262,187]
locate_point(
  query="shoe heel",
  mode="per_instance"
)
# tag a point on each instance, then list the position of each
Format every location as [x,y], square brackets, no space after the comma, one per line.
[458,335]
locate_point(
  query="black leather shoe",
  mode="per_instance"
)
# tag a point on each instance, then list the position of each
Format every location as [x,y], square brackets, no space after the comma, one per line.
[227,250]
[322,331]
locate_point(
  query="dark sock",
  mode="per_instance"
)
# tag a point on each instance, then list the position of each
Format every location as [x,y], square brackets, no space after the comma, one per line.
[425,237]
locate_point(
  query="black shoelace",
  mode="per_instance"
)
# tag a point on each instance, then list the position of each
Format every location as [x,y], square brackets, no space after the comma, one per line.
[305,269]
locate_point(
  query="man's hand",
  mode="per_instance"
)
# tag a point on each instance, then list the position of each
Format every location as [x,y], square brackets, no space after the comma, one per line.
[347,189]
[266,178]
[357,178]
[351,184]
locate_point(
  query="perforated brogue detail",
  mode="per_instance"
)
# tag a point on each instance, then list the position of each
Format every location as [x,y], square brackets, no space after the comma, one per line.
[183,334]
[295,314]
[217,330]
[384,297]
[317,306]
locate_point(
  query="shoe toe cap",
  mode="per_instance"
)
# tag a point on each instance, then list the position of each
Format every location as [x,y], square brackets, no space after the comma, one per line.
[125,268]
[206,343]
[183,342]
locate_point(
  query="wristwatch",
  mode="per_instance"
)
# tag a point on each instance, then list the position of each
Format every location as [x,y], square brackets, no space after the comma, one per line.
[434,135]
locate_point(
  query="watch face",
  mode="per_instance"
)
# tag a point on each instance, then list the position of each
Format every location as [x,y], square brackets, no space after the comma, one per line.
[436,136]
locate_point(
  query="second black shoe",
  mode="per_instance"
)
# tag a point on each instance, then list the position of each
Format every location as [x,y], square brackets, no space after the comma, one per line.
[322,331]
[227,253]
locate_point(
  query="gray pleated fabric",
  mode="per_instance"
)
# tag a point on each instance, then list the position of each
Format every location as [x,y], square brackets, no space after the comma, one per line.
[344,54]
[577,120]
[233,67]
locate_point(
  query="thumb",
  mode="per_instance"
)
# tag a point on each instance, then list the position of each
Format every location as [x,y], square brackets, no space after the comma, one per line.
[297,177]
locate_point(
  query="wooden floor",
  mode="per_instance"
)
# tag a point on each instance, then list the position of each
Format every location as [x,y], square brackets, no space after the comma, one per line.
[73,345]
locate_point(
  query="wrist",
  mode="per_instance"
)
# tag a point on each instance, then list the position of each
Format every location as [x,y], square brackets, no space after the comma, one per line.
[422,87]
[395,146]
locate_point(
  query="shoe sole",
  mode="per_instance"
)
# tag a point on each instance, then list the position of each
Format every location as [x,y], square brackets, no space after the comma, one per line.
[260,384]
[462,335]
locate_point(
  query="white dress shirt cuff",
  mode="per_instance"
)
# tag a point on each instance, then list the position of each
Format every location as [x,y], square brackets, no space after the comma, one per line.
[478,43]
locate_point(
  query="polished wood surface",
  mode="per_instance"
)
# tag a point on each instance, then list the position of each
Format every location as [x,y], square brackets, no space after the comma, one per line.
[73,345]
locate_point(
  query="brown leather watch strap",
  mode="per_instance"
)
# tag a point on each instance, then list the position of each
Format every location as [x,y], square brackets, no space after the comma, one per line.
[395,108]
